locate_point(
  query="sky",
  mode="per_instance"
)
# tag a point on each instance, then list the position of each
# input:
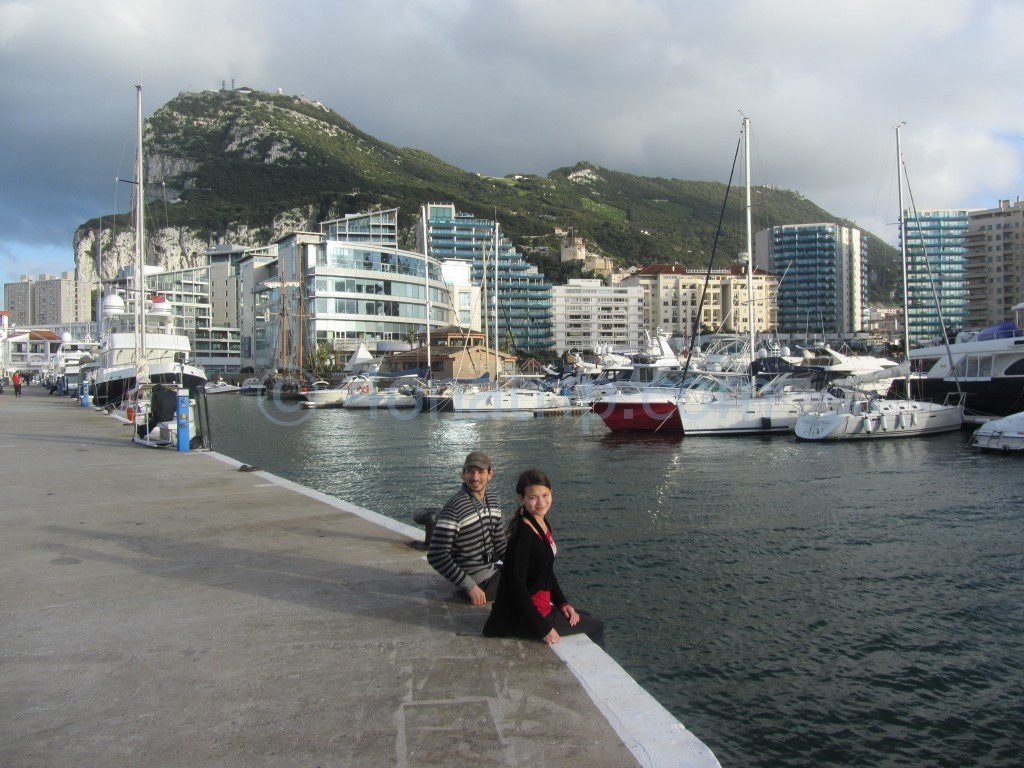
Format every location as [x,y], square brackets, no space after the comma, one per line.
[650,87]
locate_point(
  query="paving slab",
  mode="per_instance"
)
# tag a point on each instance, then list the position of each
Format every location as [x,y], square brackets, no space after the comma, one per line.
[164,608]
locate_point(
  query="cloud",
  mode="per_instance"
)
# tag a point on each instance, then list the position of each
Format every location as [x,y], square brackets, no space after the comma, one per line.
[652,87]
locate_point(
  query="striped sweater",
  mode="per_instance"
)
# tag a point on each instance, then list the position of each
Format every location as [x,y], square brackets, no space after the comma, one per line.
[468,539]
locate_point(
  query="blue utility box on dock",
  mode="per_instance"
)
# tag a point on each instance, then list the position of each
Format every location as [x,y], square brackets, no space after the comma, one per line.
[183,420]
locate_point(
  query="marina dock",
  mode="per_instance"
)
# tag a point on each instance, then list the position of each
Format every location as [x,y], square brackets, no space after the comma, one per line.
[160,608]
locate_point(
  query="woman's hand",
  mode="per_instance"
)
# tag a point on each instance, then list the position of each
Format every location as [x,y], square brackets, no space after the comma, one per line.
[551,637]
[570,613]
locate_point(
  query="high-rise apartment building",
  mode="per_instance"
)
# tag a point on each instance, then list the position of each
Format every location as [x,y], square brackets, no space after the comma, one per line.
[192,294]
[49,300]
[936,271]
[18,302]
[673,294]
[994,263]
[522,311]
[588,315]
[822,274]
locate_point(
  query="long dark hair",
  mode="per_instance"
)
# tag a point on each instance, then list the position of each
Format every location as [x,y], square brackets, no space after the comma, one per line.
[526,479]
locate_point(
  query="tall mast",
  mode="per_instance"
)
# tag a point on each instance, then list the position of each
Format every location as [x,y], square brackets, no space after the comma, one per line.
[140,248]
[903,249]
[497,363]
[750,248]
[300,271]
[426,281]
[484,321]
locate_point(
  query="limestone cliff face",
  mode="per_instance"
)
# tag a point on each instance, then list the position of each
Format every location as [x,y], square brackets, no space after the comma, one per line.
[101,253]
[196,147]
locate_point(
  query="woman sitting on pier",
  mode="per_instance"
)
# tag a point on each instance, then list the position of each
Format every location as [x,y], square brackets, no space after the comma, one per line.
[530,602]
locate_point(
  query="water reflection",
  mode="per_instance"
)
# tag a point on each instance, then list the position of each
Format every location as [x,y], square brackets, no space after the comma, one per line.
[792,603]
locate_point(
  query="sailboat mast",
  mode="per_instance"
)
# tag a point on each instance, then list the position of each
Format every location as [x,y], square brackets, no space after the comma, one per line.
[903,249]
[426,282]
[497,363]
[296,298]
[483,295]
[140,248]
[750,248]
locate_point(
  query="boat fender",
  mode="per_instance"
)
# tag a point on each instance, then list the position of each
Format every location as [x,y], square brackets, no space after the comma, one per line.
[130,413]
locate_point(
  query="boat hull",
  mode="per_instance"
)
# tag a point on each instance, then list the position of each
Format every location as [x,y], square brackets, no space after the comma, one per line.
[222,389]
[881,419]
[508,401]
[325,398]
[701,413]
[112,385]
[382,401]
[740,417]
[1005,435]
[639,415]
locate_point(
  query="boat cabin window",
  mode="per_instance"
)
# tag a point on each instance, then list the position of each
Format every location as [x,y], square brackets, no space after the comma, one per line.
[1015,369]
[974,367]
[610,375]
[672,379]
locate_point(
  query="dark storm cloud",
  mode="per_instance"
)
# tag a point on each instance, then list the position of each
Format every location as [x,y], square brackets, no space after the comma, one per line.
[645,86]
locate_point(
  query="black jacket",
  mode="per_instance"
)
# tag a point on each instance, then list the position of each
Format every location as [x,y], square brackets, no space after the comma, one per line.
[529,567]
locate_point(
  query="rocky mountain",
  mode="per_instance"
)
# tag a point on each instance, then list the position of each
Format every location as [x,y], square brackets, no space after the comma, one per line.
[244,167]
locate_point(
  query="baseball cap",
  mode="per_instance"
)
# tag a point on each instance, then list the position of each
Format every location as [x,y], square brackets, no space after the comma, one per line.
[477,459]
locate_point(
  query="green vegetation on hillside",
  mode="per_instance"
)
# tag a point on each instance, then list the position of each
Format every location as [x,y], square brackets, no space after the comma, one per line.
[230,158]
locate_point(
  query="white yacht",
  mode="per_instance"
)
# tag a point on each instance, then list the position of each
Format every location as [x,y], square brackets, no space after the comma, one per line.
[154,353]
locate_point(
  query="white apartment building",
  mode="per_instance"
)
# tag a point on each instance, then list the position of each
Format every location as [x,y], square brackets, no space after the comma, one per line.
[464,296]
[672,295]
[587,314]
[345,286]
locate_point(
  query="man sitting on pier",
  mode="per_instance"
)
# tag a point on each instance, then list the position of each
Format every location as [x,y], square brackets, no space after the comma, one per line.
[468,542]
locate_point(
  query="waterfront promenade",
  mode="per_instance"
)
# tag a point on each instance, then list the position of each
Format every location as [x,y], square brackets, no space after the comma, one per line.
[166,609]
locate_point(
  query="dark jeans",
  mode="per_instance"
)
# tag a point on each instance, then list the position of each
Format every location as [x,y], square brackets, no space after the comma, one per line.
[489,586]
[589,624]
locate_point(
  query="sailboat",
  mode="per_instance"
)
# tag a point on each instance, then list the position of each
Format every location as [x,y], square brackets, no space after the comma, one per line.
[719,403]
[288,379]
[867,416]
[142,359]
[516,395]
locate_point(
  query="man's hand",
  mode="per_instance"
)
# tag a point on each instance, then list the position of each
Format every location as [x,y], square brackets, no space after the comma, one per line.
[477,596]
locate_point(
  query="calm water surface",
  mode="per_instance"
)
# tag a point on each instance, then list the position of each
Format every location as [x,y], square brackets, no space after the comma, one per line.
[793,604]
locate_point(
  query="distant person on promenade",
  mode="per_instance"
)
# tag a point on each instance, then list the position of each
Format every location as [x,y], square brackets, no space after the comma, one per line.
[530,603]
[467,543]
[16,381]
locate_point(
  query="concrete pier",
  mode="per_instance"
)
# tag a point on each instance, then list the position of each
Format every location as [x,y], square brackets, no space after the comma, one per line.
[167,609]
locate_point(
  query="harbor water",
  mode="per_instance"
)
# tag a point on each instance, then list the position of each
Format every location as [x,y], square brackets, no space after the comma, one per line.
[793,604]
